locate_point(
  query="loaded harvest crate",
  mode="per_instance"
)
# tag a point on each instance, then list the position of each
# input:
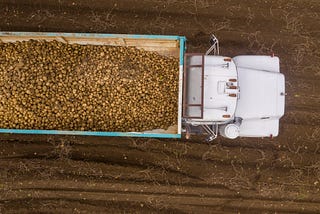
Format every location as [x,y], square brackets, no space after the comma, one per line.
[23,91]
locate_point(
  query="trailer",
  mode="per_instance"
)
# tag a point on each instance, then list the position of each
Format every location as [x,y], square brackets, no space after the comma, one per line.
[236,97]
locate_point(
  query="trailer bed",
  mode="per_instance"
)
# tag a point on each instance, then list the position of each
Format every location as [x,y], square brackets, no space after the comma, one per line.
[164,45]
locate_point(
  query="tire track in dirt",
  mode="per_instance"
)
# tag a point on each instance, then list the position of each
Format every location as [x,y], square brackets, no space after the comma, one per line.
[218,166]
[81,206]
[130,155]
[163,195]
[215,155]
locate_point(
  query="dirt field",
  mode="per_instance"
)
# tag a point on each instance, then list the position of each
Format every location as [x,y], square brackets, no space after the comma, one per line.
[56,174]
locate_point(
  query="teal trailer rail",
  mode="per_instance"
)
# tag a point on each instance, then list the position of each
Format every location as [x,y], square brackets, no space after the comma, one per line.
[166,45]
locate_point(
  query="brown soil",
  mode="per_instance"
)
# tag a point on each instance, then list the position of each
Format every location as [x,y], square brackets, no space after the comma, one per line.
[57,174]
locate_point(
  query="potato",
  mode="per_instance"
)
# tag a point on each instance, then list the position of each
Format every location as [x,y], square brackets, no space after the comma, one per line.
[53,85]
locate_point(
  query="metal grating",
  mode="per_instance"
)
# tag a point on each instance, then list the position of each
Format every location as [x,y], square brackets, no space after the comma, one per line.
[187,70]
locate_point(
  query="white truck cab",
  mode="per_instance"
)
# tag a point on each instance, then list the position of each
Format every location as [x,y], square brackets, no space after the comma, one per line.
[242,96]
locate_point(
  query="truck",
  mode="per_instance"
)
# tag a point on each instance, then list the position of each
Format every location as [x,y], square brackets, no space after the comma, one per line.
[243,96]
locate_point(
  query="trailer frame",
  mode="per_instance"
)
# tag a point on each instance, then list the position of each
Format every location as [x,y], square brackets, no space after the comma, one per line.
[117,39]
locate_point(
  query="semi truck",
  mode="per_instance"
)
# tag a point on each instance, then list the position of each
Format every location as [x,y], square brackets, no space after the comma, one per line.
[243,96]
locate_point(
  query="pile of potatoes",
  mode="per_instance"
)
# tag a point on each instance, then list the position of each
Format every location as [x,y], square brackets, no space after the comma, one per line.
[59,86]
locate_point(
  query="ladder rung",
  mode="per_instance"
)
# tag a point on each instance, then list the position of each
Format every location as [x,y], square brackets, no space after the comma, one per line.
[232,87]
[188,66]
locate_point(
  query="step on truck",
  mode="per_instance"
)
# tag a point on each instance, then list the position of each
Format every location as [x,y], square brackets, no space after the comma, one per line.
[243,96]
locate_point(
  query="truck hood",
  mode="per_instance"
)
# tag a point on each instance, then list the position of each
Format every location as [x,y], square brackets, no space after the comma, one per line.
[261,94]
